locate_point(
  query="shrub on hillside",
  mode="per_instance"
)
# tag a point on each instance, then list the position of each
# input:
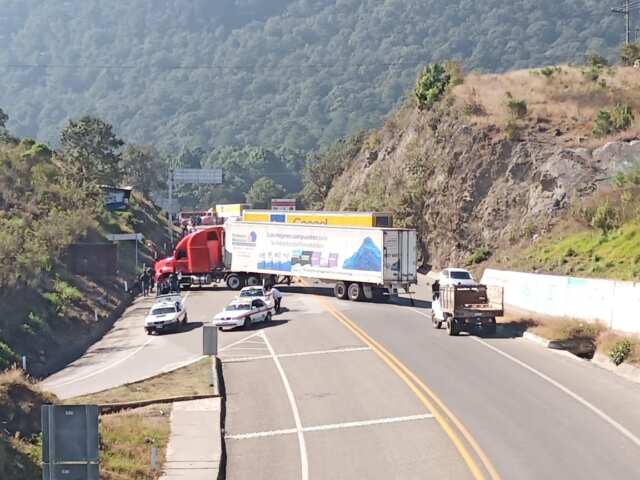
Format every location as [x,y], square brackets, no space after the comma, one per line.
[607,122]
[604,219]
[630,54]
[517,108]
[479,255]
[431,85]
[620,351]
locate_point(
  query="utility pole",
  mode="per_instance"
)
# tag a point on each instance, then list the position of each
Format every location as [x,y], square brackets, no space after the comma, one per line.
[626,11]
[170,206]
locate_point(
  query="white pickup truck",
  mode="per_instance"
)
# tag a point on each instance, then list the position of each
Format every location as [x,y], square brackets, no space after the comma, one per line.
[167,314]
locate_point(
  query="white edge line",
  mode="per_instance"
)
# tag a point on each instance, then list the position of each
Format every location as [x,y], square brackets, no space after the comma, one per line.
[334,426]
[564,389]
[96,372]
[624,431]
[106,367]
[304,461]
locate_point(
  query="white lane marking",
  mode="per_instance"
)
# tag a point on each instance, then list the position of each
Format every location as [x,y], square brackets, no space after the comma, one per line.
[564,389]
[298,354]
[100,370]
[333,426]
[366,423]
[270,433]
[75,379]
[222,349]
[304,462]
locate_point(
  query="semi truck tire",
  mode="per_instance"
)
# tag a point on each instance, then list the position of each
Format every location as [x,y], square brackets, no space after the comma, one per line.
[253,281]
[436,323]
[355,292]
[340,290]
[452,327]
[234,281]
[490,328]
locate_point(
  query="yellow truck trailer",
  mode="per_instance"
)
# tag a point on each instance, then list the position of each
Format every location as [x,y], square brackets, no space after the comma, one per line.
[342,219]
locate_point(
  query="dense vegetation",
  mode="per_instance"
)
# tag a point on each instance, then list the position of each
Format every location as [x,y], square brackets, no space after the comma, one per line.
[292,73]
[50,199]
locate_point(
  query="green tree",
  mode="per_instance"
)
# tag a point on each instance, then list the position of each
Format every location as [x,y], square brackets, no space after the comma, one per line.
[595,59]
[263,191]
[143,168]
[431,85]
[629,53]
[91,150]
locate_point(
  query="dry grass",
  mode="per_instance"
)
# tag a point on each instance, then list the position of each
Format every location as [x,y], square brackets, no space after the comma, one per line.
[608,340]
[567,100]
[568,329]
[190,380]
[128,438]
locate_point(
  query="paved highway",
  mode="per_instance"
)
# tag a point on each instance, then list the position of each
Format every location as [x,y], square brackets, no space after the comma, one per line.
[335,389]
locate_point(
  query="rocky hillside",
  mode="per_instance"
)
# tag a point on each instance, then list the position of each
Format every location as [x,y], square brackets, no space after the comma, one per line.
[497,160]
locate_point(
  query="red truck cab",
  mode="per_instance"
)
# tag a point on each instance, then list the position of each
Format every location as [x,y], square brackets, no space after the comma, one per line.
[197,254]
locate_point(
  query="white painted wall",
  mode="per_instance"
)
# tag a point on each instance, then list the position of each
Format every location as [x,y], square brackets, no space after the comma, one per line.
[616,304]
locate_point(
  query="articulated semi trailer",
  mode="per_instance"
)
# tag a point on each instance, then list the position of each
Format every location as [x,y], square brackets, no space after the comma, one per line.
[360,262]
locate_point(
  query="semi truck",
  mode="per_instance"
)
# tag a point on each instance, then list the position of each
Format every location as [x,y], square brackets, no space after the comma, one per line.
[362,263]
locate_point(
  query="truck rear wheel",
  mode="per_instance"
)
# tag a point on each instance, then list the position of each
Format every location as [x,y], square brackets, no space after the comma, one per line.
[490,328]
[452,327]
[436,323]
[355,292]
[340,290]
[253,280]
[234,282]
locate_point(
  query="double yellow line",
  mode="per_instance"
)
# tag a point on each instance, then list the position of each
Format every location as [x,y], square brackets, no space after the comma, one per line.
[445,418]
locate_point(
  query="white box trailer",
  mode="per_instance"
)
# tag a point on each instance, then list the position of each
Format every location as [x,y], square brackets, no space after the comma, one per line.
[362,262]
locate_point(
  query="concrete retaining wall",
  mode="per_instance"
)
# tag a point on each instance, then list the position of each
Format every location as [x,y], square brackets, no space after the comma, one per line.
[616,304]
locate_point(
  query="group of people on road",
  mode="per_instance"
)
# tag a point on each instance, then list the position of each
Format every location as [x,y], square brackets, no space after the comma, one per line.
[166,285]
[170,284]
[146,280]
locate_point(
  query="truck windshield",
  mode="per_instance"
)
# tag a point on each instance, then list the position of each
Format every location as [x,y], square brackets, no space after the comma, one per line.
[255,292]
[238,306]
[163,311]
[461,275]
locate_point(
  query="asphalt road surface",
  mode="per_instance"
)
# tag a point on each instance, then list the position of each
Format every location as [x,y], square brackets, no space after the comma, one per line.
[343,390]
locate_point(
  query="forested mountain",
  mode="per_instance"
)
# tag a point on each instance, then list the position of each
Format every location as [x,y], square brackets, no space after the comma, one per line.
[293,73]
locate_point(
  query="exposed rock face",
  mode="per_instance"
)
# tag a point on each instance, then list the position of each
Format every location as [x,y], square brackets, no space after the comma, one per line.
[469,187]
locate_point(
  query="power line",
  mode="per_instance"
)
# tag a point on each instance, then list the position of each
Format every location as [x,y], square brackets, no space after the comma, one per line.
[195,67]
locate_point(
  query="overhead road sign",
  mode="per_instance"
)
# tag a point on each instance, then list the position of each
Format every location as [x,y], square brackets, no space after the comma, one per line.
[121,237]
[202,176]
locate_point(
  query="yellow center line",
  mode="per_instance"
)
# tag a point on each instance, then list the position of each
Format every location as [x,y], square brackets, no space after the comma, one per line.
[428,400]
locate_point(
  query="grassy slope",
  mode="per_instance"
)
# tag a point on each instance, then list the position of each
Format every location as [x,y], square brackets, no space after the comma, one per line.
[189,380]
[20,402]
[584,252]
[128,439]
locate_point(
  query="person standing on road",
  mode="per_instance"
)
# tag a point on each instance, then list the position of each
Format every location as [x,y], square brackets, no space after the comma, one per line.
[144,283]
[174,285]
[277,298]
[152,280]
[435,290]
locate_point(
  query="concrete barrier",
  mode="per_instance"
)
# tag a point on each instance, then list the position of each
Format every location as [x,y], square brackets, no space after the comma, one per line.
[614,303]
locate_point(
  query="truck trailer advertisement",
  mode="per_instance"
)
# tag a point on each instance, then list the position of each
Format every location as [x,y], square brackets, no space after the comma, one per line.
[329,253]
